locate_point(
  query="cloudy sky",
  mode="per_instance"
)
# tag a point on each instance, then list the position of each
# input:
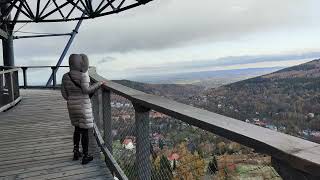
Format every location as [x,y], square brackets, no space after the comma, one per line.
[169,36]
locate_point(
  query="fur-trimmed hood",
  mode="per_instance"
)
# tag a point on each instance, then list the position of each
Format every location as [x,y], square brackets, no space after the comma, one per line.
[79,62]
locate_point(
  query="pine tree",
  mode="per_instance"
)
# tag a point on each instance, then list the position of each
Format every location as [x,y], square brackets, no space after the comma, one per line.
[161,144]
[165,168]
[213,165]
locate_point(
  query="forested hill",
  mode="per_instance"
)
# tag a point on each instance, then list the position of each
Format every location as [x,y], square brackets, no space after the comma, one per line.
[289,98]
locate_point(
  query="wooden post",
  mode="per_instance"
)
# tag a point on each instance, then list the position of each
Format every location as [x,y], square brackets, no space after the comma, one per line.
[24,71]
[16,83]
[95,108]
[54,82]
[143,161]
[287,172]
[107,119]
[1,82]
[11,87]
[100,107]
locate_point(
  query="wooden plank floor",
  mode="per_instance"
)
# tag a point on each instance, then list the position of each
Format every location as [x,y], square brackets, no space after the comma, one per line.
[36,141]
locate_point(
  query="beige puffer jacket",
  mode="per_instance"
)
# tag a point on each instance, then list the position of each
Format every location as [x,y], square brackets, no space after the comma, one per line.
[78,101]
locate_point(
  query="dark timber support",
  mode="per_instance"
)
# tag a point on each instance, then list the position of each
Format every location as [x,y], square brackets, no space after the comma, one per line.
[11,87]
[107,120]
[7,42]
[100,105]
[287,172]
[54,83]
[7,50]
[24,71]
[143,162]
[96,108]
[1,82]
[7,45]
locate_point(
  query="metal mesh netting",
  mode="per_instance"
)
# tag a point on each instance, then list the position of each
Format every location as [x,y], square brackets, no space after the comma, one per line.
[9,87]
[124,137]
[180,151]
[123,131]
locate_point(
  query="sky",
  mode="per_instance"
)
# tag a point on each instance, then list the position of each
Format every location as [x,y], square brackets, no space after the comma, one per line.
[172,36]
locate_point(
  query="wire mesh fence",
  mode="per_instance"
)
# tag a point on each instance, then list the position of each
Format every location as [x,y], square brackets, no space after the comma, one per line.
[124,134]
[179,151]
[193,153]
[9,86]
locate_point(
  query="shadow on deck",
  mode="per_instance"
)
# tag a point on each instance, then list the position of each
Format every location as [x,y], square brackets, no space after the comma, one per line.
[36,141]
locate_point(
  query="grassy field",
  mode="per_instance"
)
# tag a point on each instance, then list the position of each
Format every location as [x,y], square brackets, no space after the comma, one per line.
[256,172]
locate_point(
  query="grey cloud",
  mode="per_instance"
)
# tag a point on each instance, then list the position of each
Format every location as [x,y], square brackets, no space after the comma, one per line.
[179,24]
[165,24]
[106,59]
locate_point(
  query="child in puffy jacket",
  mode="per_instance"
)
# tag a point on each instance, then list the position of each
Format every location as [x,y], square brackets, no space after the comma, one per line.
[76,89]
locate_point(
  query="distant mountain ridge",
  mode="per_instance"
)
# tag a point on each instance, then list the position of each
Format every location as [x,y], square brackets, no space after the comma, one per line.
[207,77]
[172,91]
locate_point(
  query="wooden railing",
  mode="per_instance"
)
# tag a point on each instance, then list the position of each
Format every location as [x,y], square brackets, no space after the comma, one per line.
[25,69]
[9,88]
[292,157]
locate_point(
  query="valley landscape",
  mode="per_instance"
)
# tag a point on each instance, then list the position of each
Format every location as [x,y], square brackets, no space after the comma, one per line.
[285,100]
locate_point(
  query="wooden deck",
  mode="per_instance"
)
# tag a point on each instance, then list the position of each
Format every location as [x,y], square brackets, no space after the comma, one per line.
[36,141]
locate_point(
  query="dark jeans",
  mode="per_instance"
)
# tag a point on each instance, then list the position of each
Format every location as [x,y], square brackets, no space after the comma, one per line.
[80,133]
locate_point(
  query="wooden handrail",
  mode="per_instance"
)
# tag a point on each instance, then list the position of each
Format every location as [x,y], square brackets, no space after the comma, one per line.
[301,155]
[25,77]
[8,71]
[31,66]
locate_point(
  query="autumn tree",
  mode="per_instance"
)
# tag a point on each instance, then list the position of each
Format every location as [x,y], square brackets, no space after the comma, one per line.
[189,166]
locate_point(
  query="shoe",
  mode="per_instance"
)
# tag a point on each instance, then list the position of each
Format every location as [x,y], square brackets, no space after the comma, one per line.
[76,155]
[86,159]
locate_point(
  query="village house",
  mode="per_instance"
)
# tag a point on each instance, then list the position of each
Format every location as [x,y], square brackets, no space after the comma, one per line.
[205,99]
[128,144]
[310,115]
[173,158]
[127,105]
[260,123]
[315,134]
[256,119]
[155,114]
[272,127]
[115,118]
[126,117]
